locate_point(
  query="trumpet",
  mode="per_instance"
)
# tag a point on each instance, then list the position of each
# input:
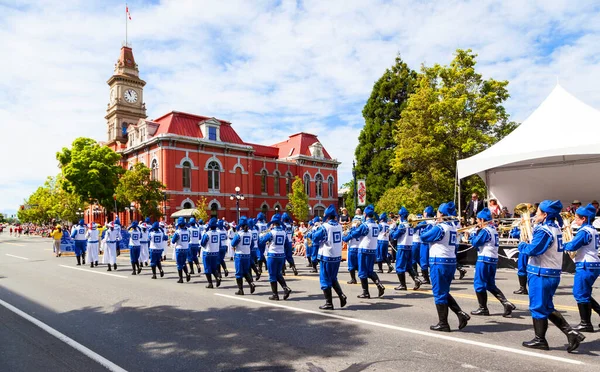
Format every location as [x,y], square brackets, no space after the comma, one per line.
[413,220]
[525,210]
[467,228]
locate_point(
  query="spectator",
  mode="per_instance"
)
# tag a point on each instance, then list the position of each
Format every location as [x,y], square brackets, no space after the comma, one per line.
[495,208]
[344,217]
[475,206]
[505,213]
[358,216]
[595,204]
[57,236]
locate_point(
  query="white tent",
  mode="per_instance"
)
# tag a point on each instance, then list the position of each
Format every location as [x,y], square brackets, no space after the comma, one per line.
[553,154]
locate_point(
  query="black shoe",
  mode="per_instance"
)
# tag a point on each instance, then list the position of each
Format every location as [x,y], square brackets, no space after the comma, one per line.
[540,326]
[425,273]
[390,268]
[180,280]
[145,263]
[343,300]
[226,273]
[191,268]
[96,263]
[508,306]
[573,337]
[115,266]
[92,264]
[78,261]
[188,277]
[109,268]
[180,272]
[162,273]
[462,272]
[258,276]
[286,292]
[295,270]
[402,279]
[139,268]
[134,270]
[153,276]
[522,286]
[463,318]
[381,289]
[218,281]
[328,300]
[352,277]
[365,287]
[209,285]
[275,296]
[585,313]
[252,288]
[209,280]
[482,300]
[442,326]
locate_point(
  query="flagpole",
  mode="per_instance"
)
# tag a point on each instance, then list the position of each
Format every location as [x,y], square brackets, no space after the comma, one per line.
[126,16]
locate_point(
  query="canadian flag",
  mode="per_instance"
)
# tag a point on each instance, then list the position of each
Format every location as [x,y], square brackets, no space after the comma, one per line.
[127,12]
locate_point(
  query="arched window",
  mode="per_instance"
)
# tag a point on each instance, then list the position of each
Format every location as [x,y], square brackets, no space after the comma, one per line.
[187,205]
[319,211]
[307,184]
[330,185]
[187,175]
[319,185]
[263,181]
[154,170]
[214,208]
[213,175]
[276,183]
[288,183]
[264,208]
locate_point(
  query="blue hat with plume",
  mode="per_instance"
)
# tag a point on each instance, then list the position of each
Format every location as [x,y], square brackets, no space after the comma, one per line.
[552,208]
[285,217]
[81,222]
[383,217]
[447,209]
[134,224]
[180,221]
[242,222]
[147,220]
[221,224]
[369,210]
[403,212]
[485,214]
[275,219]
[192,221]
[155,226]
[428,210]
[260,216]
[588,211]
[212,223]
[316,219]
[330,212]
[117,221]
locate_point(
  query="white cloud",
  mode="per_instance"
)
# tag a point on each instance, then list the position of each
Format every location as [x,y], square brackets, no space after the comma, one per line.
[272,69]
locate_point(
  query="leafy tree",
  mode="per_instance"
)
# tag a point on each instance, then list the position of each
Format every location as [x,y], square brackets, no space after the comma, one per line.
[201,209]
[404,195]
[49,202]
[90,171]
[137,186]
[1,218]
[298,200]
[453,114]
[376,141]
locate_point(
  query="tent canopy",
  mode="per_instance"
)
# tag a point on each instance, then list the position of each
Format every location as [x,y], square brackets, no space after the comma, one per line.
[553,154]
[184,213]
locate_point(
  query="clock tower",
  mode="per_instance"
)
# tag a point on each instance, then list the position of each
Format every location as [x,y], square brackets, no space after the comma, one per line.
[126,105]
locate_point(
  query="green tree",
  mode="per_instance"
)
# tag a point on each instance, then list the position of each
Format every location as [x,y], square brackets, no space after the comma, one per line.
[137,186]
[90,171]
[201,209]
[1,218]
[453,114]
[298,200]
[376,141]
[404,195]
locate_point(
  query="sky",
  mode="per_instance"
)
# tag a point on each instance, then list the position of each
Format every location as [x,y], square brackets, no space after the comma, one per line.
[272,68]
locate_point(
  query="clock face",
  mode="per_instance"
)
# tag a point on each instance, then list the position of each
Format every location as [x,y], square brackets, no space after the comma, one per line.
[130,96]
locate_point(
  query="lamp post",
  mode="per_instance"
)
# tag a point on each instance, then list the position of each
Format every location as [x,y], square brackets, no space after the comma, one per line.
[237,197]
[116,210]
[79,214]
[165,206]
[132,208]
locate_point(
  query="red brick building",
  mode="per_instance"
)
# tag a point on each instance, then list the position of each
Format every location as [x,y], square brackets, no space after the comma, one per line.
[198,156]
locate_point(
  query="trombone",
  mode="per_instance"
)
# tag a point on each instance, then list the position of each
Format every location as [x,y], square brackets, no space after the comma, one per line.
[413,220]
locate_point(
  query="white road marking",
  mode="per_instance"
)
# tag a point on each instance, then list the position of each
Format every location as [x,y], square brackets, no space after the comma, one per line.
[409,330]
[67,340]
[20,245]
[12,255]
[94,272]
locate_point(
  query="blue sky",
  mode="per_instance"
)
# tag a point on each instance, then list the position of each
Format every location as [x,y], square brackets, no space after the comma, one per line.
[271,67]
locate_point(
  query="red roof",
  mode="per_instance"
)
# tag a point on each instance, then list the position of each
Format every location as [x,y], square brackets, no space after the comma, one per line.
[266,151]
[298,144]
[185,124]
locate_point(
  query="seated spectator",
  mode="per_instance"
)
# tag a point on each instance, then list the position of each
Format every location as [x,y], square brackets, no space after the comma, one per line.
[505,213]
[596,205]
[494,208]
[574,205]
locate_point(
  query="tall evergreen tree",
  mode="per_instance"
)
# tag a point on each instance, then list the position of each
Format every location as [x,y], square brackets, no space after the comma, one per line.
[376,141]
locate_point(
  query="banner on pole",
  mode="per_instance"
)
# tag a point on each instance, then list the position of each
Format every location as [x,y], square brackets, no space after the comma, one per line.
[361,187]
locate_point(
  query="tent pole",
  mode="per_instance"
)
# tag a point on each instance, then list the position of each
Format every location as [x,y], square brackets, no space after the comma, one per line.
[459,201]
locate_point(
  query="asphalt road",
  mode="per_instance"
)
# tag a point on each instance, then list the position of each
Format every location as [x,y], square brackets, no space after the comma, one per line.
[141,324]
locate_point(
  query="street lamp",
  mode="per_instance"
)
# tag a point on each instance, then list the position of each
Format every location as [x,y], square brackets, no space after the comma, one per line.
[165,206]
[237,197]
[79,214]
[354,180]
[132,208]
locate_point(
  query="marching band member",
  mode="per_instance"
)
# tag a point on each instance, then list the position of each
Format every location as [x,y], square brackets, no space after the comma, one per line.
[145,242]
[158,243]
[368,232]
[210,244]
[585,248]
[352,251]
[194,246]
[487,241]
[403,233]
[307,246]
[276,240]
[78,234]
[416,248]
[135,235]
[314,249]
[442,260]
[261,226]
[222,247]
[383,242]
[92,243]
[289,253]
[111,238]
[424,247]
[118,229]
[254,252]
[515,233]
[181,239]
[243,244]
[543,275]
[163,227]
[329,237]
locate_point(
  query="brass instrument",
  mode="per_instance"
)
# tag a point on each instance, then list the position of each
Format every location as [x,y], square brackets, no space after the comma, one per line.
[568,218]
[413,220]
[525,210]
